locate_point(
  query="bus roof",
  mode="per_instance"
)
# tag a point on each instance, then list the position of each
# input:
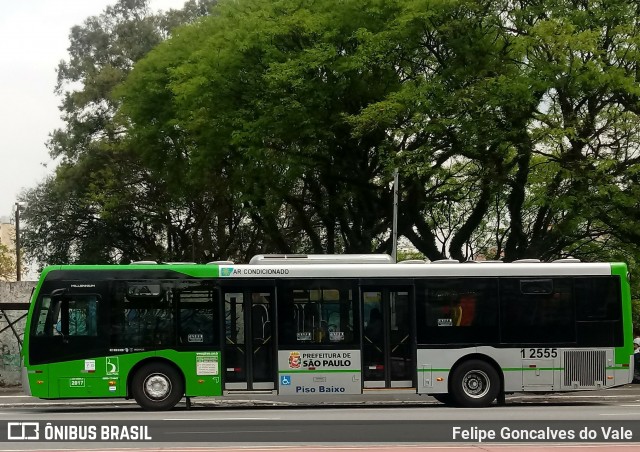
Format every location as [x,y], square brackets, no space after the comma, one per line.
[294,269]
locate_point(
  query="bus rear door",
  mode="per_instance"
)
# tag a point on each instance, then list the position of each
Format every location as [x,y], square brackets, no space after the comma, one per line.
[387,338]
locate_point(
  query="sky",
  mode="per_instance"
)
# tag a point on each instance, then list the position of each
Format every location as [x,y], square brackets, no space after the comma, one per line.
[34,37]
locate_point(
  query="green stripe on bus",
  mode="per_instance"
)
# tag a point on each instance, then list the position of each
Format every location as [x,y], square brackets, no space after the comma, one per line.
[505,369]
[525,369]
[518,369]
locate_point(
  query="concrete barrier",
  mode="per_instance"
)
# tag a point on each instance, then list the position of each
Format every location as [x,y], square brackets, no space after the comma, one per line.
[12,323]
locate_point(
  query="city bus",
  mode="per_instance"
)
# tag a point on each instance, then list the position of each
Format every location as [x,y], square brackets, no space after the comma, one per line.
[327,325]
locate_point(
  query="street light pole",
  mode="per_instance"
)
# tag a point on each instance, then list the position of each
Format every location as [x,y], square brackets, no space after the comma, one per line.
[394,229]
[18,263]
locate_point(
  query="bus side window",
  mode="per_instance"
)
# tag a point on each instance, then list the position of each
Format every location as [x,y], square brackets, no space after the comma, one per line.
[83,319]
[457,311]
[45,313]
[142,314]
[197,313]
[466,309]
[536,310]
[76,315]
[317,312]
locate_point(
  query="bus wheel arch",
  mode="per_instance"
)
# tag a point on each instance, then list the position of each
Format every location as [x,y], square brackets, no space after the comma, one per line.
[156,384]
[475,381]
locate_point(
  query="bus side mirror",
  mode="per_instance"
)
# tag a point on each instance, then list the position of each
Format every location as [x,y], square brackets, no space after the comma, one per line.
[58,293]
[57,300]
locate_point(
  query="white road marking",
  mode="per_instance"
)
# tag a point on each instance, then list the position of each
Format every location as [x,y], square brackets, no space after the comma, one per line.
[572,396]
[225,419]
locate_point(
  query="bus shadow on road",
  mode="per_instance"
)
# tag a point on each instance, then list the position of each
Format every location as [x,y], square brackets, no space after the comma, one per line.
[301,407]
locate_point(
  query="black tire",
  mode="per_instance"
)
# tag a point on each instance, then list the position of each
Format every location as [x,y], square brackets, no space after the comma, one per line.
[636,368]
[447,399]
[475,384]
[157,387]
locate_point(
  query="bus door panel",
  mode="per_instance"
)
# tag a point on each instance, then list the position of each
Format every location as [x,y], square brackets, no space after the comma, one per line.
[249,346]
[387,345]
[262,340]
[400,339]
[373,349]
[235,351]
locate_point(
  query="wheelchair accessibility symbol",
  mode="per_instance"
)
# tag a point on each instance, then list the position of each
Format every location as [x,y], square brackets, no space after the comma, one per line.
[285,380]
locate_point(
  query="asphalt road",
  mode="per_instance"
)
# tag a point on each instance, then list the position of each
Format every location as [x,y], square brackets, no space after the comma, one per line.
[384,422]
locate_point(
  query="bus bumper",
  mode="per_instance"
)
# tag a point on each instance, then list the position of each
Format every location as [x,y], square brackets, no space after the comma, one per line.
[24,376]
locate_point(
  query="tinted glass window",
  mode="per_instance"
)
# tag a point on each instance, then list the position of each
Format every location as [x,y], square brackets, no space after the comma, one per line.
[457,310]
[598,298]
[142,315]
[197,314]
[598,311]
[537,310]
[317,312]
[73,315]
[83,316]
[536,286]
[68,325]
[44,311]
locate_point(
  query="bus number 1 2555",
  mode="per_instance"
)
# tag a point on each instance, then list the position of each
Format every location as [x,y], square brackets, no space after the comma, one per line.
[539,352]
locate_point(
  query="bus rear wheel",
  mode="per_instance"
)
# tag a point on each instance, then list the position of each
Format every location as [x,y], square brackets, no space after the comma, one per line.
[157,387]
[475,384]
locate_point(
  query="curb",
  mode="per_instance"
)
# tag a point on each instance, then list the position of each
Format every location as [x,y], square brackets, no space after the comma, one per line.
[234,404]
[201,403]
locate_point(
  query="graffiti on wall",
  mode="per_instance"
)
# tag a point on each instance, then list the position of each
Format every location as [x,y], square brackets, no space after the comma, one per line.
[14,301]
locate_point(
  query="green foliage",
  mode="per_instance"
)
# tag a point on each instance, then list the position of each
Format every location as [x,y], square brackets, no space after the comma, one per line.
[101,205]
[406,255]
[266,101]
[7,264]
[276,127]
[636,316]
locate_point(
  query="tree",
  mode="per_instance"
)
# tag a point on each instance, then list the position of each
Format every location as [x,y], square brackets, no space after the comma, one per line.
[263,101]
[7,264]
[276,127]
[515,105]
[101,205]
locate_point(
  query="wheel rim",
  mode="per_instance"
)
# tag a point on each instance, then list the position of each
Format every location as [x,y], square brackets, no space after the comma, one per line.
[476,384]
[157,387]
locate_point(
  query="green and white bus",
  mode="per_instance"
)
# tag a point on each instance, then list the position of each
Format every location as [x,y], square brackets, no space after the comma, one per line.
[465,333]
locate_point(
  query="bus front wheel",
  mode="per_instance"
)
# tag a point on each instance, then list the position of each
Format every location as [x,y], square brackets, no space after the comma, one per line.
[475,384]
[157,387]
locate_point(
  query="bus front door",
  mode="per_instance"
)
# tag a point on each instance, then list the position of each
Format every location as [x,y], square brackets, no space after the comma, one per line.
[249,345]
[387,350]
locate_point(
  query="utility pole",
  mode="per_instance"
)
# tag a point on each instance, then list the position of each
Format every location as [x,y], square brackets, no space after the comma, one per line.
[394,252]
[18,263]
